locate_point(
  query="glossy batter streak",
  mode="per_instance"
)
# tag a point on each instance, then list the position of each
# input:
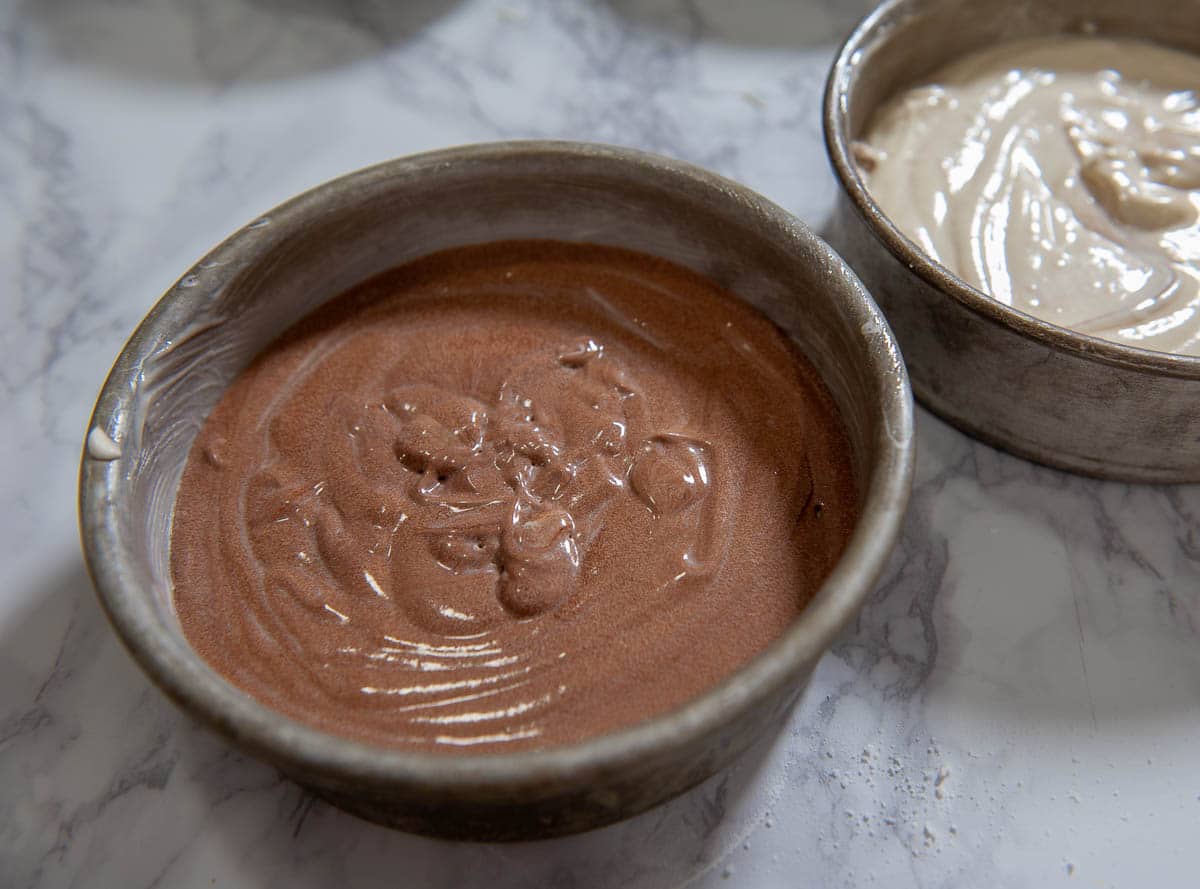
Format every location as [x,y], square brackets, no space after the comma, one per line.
[509,496]
[1062,177]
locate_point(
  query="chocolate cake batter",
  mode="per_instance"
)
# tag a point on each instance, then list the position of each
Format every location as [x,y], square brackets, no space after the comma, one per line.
[509,496]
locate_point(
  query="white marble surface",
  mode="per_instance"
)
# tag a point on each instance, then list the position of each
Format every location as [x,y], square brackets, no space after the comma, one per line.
[1018,705]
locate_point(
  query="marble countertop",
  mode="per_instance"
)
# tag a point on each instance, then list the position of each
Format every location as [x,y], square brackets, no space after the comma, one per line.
[1017,705]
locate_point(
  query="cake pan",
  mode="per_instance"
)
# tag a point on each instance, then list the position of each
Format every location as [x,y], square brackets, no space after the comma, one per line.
[1014,381]
[232,303]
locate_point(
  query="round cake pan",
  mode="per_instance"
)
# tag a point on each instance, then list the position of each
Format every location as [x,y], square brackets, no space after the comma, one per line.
[231,304]
[1038,390]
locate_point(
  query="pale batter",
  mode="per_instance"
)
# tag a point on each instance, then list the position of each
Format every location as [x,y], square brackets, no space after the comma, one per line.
[1059,175]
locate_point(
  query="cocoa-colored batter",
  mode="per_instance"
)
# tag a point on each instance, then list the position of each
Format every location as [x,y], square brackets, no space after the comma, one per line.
[509,496]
